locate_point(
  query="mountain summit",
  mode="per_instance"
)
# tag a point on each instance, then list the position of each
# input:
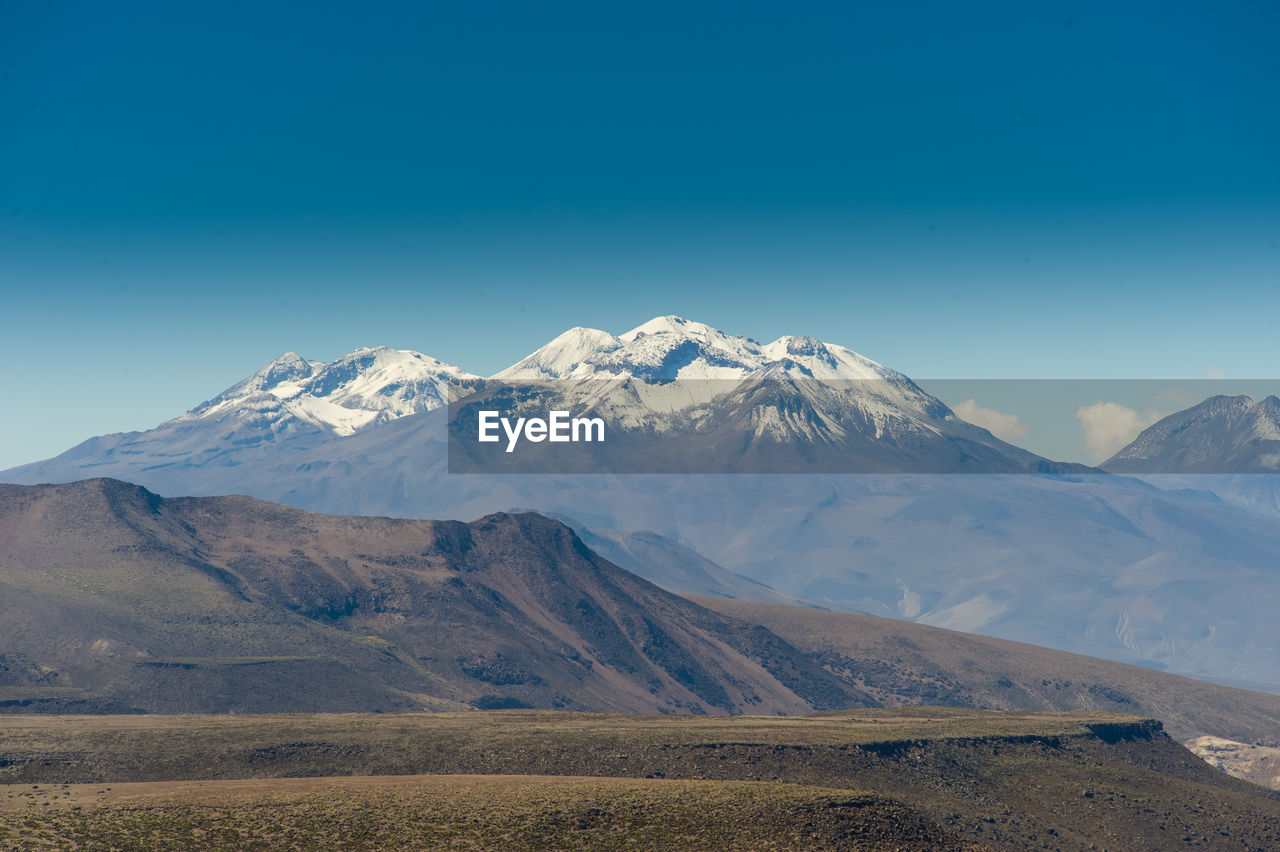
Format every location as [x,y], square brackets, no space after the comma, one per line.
[671,348]
[356,391]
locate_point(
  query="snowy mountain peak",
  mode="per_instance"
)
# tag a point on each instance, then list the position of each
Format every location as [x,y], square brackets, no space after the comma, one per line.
[661,350]
[1216,406]
[357,390]
[827,361]
[563,356]
[288,361]
[278,377]
[390,364]
[670,348]
[672,324]
[705,363]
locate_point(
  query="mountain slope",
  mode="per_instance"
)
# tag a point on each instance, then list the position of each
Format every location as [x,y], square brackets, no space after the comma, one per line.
[1222,435]
[897,661]
[675,567]
[195,604]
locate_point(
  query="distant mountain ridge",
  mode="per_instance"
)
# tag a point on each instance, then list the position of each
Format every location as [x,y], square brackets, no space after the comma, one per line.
[704,389]
[1221,435]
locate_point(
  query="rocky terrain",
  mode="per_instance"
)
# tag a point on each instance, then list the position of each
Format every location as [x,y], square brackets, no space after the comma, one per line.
[1258,762]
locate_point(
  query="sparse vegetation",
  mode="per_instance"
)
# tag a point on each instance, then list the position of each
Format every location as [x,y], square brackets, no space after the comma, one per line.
[463,812]
[1001,780]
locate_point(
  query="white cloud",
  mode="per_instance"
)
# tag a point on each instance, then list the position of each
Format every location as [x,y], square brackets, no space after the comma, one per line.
[1006,427]
[1108,427]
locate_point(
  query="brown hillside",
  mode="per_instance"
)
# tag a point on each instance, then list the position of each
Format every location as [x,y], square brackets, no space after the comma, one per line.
[233,604]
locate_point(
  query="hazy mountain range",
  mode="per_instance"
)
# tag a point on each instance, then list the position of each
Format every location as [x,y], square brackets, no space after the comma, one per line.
[115,599]
[1098,564]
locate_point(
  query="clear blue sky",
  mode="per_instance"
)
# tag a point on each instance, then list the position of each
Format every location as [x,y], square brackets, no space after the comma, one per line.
[1000,190]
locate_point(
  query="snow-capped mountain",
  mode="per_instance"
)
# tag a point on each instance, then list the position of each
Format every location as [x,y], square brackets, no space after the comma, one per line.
[289,405]
[735,405]
[354,392]
[670,364]
[670,348]
[1223,434]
